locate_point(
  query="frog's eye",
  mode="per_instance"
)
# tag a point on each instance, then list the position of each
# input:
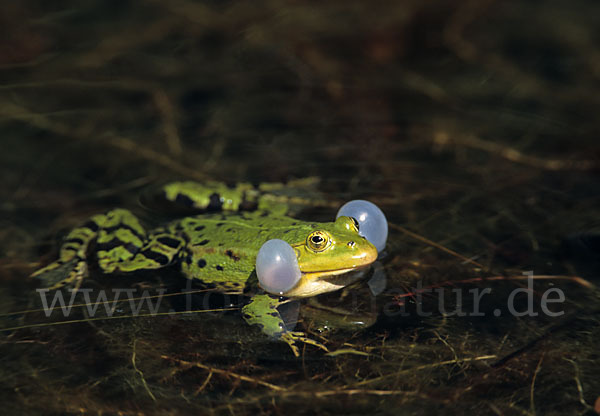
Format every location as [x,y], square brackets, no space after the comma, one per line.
[277,267]
[318,241]
[371,221]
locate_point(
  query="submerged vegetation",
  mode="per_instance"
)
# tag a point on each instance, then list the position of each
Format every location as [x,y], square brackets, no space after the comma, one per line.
[473,125]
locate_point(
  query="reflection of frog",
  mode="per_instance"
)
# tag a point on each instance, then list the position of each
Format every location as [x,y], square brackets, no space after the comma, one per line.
[219,249]
[351,309]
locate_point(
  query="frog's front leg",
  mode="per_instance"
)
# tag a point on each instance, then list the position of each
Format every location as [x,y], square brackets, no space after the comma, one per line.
[262,311]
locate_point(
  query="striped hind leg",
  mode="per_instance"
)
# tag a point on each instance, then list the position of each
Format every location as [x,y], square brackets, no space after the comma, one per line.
[116,230]
[158,250]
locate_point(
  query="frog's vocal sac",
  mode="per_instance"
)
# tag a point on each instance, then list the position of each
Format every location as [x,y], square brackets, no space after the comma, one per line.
[218,248]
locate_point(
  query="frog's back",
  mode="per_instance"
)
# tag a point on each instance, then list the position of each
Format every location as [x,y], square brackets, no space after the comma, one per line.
[221,249]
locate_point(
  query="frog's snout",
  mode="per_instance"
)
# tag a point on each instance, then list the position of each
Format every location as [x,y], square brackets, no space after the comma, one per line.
[366,253]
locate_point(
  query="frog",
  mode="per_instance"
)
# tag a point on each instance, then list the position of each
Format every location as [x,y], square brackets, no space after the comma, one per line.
[217,248]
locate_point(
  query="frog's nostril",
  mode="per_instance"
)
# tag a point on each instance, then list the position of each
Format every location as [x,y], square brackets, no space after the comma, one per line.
[351,244]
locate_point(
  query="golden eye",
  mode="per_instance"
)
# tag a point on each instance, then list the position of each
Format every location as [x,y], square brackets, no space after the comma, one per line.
[318,241]
[355,222]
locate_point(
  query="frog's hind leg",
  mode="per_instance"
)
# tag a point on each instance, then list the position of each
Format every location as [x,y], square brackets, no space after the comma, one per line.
[158,250]
[115,228]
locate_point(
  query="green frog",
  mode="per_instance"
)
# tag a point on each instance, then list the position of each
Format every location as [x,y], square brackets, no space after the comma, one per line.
[218,248]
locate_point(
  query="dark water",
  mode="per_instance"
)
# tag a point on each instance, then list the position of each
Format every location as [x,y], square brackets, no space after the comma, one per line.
[473,125]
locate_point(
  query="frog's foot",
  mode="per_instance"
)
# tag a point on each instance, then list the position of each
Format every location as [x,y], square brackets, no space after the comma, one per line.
[71,259]
[53,274]
[262,311]
[291,337]
[75,277]
[73,248]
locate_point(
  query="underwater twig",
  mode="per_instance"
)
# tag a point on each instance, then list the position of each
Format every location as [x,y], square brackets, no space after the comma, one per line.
[311,394]
[41,121]
[345,351]
[140,372]
[160,159]
[436,245]
[565,323]
[206,381]
[463,47]
[531,389]
[578,384]
[121,42]
[352,392]
[224,372]
[514,155]
[121,188]
[426,367]
[168,120]
[450,347]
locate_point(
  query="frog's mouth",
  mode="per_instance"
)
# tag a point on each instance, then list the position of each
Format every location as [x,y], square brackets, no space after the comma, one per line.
[323,281]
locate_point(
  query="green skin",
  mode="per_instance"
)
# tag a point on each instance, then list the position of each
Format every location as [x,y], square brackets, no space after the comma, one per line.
[219,249]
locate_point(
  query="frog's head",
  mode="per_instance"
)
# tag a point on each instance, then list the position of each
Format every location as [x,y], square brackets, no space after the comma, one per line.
[327,254]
